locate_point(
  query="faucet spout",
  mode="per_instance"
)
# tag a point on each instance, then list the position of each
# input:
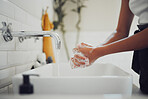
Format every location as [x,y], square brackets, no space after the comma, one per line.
[58,40]
[8,34]
[56,37]
[39,34]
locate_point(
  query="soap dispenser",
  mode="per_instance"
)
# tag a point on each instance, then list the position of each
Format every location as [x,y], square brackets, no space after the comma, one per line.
[26,87]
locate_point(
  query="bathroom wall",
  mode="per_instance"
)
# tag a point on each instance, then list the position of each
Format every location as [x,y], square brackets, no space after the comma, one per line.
[99,20]
[98,15]
[16,57]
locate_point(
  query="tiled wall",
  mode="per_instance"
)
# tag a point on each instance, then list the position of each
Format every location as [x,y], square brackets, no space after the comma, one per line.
[16,57]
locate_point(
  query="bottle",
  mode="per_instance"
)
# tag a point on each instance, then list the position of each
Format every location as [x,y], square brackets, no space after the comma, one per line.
[26,87]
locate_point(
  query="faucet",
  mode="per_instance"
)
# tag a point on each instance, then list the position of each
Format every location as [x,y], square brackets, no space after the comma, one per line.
[8,34]
[39,34]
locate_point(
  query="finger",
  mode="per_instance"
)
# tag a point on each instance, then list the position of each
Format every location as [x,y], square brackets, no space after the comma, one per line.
[80,46]
[72,63]
[84,44]
[79,57]
[72,58]
[79,62]
[88,64]
[76,64]
[75,50]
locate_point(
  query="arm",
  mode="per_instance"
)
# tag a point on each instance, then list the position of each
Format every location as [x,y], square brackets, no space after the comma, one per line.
[135,42]
[124,23]
[118,41]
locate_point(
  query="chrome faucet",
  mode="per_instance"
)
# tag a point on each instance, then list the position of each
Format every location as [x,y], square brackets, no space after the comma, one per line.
[8,34]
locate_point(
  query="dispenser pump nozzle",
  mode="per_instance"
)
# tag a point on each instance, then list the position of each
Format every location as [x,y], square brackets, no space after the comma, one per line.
[26,87]
[26,79]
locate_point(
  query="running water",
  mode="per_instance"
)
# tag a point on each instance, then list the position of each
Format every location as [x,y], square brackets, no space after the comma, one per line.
[56,66]
[58,61]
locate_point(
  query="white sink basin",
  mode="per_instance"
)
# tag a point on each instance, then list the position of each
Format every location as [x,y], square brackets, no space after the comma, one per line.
[96,79]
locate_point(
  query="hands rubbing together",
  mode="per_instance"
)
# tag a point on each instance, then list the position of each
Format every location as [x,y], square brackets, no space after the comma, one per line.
[84,56]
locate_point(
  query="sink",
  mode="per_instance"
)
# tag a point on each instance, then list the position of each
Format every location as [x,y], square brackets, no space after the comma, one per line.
[61,79]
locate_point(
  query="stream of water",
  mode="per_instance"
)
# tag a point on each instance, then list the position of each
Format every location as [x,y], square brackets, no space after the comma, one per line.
[56,71]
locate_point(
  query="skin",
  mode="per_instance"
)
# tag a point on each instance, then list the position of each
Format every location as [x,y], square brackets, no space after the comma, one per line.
[119,40]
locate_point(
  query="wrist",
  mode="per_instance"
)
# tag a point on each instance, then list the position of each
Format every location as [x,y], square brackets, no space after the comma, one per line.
[100,51]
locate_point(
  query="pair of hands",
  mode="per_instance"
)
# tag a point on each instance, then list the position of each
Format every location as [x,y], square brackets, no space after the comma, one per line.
[88,51]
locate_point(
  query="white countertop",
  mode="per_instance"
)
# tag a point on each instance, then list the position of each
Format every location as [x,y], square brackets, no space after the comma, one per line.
[72,97]
[135,95]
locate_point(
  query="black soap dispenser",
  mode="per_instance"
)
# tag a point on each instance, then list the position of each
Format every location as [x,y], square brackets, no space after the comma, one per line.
[26,87]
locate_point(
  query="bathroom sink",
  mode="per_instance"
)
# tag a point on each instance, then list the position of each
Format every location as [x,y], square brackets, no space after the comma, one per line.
[61,79]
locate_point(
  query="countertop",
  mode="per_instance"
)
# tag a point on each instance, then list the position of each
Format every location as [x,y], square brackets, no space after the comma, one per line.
[135,95]
[72,97]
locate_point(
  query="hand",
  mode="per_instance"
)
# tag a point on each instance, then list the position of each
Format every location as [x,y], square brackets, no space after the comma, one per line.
[84,45]
[88,51]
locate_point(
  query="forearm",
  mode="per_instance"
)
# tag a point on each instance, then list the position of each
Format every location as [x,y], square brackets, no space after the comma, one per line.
[124,23]
[114,37]
[135,42]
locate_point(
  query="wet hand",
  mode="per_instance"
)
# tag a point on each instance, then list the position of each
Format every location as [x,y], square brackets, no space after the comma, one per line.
[87,51]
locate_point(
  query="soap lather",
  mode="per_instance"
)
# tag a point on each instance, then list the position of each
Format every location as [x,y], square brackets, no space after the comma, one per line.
[26,87]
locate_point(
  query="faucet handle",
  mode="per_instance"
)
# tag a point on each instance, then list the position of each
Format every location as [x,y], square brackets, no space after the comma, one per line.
[4,24]
[9,26]
[6,31]
[4,28]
